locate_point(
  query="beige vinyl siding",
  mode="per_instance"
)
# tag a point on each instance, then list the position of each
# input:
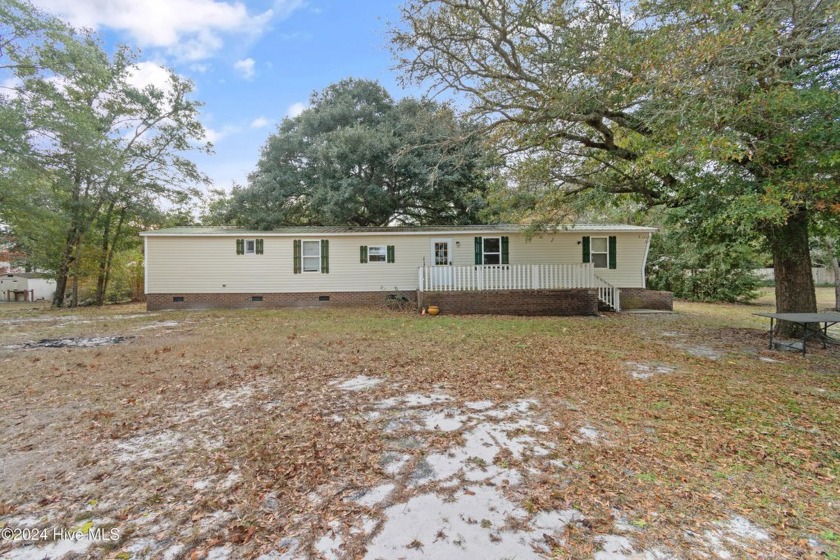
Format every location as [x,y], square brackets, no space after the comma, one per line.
[564,248]
[209,264]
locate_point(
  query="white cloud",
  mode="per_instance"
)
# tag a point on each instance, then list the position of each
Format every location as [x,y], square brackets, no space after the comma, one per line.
[188,29]
[200,68]
[285,8]
[148,73]
[9,87]
[211,135]
[295,109]
[214,136]
[197,47]
[259,122]
[245,67]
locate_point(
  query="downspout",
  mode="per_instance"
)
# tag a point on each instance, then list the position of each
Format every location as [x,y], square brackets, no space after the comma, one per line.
[644,261]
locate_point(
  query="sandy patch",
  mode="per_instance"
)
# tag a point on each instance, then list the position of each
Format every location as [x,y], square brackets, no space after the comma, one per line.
[55,549]
[358,383]
[700,351]
[639,370]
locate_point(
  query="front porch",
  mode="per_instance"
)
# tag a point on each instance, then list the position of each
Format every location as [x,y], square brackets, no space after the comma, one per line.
[516,278]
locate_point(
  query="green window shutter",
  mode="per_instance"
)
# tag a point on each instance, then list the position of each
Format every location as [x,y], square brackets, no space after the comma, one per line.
[325,256]
[585,248]
[478,251]
[363,254]
[613,252]
[390,253]
[505,250]
[297,260]
[259,246]
[240,246]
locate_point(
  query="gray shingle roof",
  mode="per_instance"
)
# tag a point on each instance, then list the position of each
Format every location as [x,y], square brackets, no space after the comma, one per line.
[350,230]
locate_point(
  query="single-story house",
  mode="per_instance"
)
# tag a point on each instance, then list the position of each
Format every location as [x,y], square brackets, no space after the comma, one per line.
[463,269]
[26,287]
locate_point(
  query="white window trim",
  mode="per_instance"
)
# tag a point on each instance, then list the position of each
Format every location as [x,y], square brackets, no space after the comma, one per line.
[606,252]
[384,253]
[245,246]
[483,252]
[303,256]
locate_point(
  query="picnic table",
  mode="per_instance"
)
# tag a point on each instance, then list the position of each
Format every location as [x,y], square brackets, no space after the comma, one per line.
[28,295]
[806,320]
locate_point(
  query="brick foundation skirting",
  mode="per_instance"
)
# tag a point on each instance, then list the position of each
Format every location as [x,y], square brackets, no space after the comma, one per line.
[514,302]
[640,298]
[155,302]
[509,302]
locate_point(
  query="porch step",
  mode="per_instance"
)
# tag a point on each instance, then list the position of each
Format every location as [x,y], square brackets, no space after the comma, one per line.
[609,297]
[604,306]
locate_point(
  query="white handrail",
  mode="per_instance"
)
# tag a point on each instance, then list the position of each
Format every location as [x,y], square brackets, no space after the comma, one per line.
[505,277]
[607,293]
[516,277]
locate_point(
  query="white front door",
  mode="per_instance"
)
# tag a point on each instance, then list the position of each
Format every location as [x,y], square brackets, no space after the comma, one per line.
[442,257]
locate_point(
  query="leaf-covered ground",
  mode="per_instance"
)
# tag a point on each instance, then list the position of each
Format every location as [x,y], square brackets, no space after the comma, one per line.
[365,433]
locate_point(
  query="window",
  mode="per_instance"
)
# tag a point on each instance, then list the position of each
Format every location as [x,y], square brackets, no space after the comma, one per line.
[311,256]
[377,254]
[492,250]
[249,246]
[441,249]
[598,252]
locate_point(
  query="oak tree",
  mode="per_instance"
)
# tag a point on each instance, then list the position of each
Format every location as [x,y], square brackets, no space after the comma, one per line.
[727,110]
[358,157]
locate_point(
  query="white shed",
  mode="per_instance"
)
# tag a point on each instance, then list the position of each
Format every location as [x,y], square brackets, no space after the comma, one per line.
[34,287]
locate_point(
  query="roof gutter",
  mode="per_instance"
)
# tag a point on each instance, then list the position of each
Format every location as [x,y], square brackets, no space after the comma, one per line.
[374,233]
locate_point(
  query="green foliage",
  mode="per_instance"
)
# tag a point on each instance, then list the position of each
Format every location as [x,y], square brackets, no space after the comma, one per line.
[358,157]
[702,270]
[127,277]
[85,155]
[727,110]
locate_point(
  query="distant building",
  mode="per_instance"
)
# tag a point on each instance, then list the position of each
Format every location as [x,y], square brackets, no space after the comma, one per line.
[26,286]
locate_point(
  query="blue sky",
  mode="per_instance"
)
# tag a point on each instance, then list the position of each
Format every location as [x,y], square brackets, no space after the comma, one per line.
[253,62]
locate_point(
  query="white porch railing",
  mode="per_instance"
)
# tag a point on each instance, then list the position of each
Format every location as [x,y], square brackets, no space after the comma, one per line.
[516,277]
[607,293]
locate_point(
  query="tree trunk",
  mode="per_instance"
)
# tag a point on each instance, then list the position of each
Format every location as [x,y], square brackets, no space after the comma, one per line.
[79,224]
[63,272]
[76,267]
[111,247]
[99,297]
[792,265]
[61,278]
[835,268]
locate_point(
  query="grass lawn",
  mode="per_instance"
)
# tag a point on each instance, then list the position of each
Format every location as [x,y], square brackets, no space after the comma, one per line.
[366,433]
